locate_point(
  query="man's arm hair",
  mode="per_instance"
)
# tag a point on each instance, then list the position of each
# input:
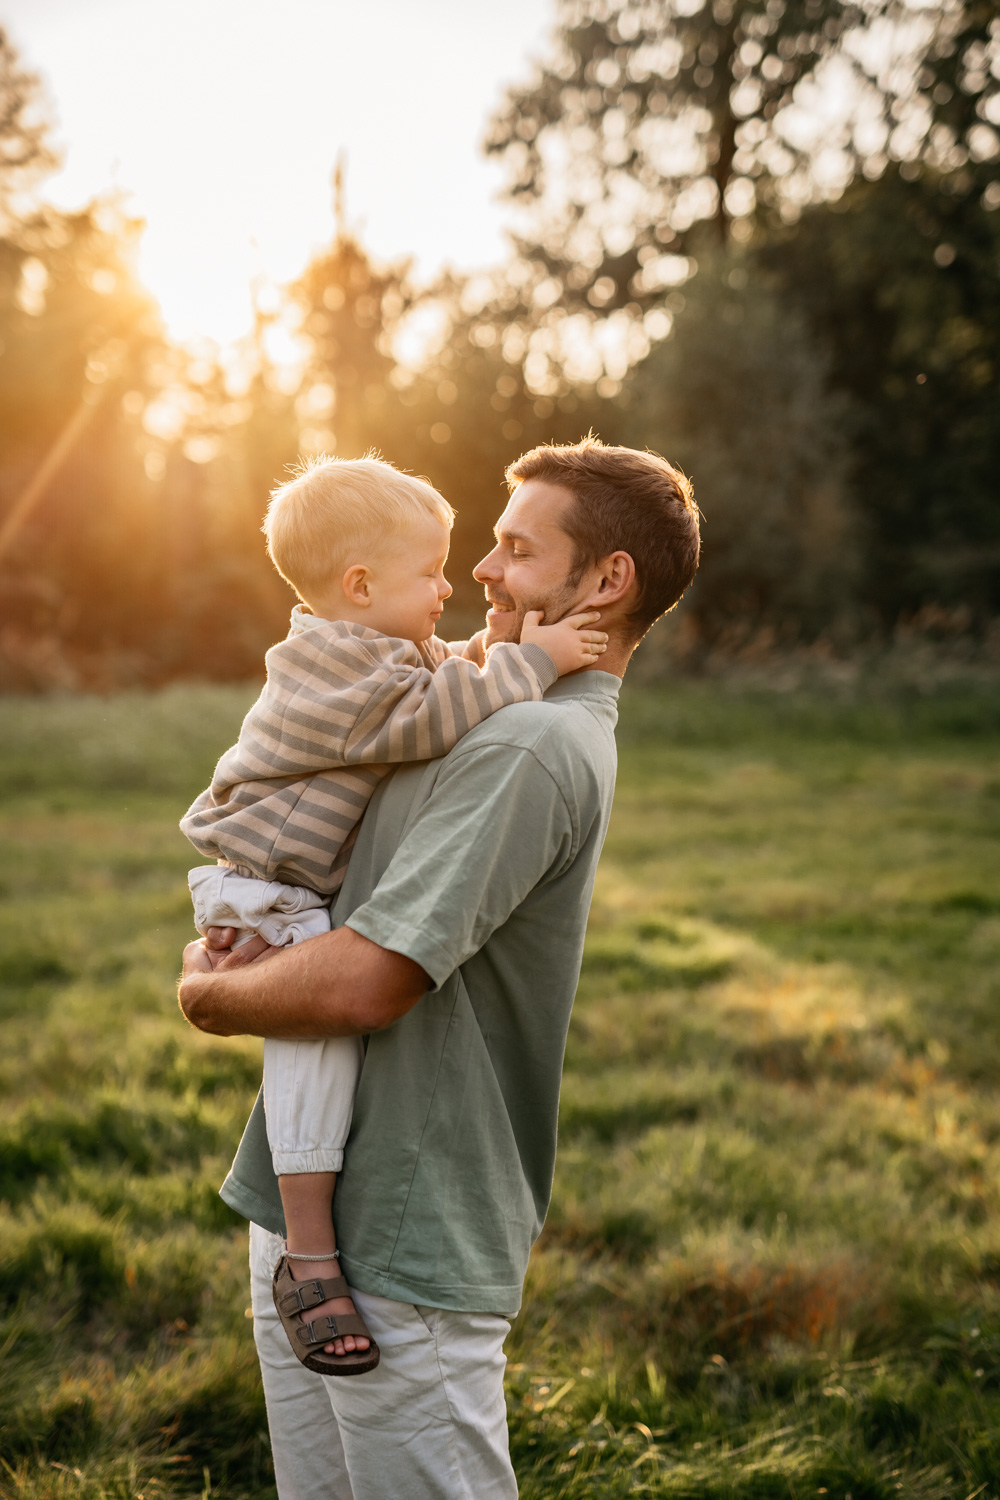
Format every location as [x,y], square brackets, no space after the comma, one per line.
[339,984]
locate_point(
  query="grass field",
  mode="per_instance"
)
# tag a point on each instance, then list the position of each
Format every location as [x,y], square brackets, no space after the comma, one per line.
[772,1265]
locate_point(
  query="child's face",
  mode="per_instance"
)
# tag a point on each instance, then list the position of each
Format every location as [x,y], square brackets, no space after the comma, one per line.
[408,586]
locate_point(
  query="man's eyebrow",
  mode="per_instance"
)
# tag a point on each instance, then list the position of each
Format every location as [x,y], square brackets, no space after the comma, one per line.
[510,536]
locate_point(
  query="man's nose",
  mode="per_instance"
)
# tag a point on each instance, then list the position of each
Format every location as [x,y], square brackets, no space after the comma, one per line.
[487,569]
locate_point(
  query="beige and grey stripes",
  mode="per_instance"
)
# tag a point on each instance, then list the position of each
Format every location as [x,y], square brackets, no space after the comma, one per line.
[341,706]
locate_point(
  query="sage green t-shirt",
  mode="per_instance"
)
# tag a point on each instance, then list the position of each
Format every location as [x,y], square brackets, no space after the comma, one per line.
[480,867]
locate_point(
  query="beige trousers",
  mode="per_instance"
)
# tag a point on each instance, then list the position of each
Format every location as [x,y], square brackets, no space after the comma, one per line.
[429,1424]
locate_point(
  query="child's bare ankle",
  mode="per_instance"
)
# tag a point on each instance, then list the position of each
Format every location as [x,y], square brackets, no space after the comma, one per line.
[316,1266]
[309,1235]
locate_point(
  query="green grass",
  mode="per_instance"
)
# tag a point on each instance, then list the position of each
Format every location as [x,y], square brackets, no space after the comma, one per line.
[772,1265]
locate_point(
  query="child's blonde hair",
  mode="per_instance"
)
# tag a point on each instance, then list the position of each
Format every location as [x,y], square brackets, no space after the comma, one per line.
[336,511]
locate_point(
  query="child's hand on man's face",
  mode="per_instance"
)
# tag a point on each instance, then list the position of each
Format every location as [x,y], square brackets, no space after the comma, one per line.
[571,642]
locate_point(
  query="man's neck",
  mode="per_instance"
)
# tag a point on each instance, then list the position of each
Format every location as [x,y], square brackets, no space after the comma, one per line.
[615,659]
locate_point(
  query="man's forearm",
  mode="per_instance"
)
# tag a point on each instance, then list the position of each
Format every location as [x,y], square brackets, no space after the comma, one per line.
[340,984]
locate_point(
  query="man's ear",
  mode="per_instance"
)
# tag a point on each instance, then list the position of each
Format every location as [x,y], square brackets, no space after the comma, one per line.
[356,584]
[615,577]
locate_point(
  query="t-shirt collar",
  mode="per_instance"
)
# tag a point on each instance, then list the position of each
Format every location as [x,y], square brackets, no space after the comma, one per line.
[590,684]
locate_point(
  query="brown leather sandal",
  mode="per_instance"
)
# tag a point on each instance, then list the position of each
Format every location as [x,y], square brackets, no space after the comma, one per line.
[292,1297]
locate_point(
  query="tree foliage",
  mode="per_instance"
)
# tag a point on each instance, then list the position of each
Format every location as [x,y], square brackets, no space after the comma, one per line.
[25,152]
[349,310]
[631,134]
[113,571]
[740,397]
[900,285]
[650,118]
[823,361]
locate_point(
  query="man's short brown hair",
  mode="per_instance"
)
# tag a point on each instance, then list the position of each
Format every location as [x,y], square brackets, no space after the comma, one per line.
[625,501]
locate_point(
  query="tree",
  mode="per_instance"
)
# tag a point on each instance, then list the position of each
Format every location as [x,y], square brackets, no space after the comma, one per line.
[349,311]
[740,397]
[650,119]
[141,558]
[899,283]
[25,153]
[80,342]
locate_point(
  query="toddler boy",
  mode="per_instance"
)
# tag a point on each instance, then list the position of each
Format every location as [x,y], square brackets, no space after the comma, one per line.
[359,685]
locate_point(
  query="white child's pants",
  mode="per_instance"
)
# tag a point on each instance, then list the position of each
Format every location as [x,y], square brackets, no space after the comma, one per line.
[309,1086]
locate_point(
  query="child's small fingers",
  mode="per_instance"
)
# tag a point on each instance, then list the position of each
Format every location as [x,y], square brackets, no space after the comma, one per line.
[595,636]
[533,617]
[589,617]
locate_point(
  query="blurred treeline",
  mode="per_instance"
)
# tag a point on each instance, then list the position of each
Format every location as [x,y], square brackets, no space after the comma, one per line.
[759,236]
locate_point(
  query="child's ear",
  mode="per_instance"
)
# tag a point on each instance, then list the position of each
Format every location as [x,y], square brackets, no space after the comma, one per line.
[356,585]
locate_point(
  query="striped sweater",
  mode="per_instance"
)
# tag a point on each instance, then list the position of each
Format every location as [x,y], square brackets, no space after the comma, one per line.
[341,706]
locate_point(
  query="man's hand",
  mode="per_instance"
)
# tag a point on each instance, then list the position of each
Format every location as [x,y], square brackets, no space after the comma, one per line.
[222,954]
[214,952]
[339,984]
[196,959]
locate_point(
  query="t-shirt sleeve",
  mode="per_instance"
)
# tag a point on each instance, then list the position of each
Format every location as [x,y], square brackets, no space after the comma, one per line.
[495,826]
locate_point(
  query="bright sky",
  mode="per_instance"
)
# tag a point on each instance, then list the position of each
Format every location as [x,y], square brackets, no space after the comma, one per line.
[223,120]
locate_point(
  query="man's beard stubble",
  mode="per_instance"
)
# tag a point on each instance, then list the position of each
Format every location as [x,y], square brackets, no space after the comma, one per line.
[554,607]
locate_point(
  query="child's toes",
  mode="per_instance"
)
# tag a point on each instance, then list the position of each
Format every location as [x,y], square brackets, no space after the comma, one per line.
[347,1345]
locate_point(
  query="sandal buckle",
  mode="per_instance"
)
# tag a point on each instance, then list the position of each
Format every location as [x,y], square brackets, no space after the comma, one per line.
[309,1332]
[315,1287]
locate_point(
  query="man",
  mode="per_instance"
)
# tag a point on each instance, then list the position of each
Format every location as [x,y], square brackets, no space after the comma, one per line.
[457,947]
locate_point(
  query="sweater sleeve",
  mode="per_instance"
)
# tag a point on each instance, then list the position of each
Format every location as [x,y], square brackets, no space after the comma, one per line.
[439,651]
[332,705]
[413,713]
